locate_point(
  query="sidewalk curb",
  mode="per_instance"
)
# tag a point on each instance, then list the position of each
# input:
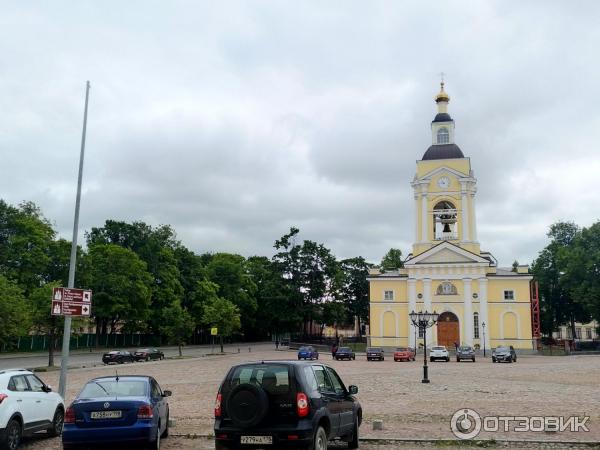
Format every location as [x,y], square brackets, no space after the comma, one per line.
[441,442]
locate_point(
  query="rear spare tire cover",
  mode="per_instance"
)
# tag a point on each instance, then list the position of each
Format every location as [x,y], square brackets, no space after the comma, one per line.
[247,405]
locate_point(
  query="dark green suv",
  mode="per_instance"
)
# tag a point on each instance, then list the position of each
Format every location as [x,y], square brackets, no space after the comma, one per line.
[285,404]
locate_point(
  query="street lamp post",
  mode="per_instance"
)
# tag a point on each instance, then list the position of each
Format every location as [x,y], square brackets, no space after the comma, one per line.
[424,320]
[483,327]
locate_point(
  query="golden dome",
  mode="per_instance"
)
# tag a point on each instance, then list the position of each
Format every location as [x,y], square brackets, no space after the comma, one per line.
[442,96]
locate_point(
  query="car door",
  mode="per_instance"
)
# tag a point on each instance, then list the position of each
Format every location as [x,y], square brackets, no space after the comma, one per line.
[25,403]
[42,402]
[329,397]
[159,401]
[346,403]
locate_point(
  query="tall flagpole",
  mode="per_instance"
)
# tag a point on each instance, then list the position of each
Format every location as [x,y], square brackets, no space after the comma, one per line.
[62,387]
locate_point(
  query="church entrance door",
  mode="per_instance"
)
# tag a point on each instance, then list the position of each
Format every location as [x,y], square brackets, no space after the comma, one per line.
[447,330]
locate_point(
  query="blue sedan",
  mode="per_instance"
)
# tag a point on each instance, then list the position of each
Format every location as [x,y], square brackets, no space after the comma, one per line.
[308,353]
[119,409]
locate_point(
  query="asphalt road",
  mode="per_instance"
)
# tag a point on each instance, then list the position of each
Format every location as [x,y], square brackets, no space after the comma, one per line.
[88,359]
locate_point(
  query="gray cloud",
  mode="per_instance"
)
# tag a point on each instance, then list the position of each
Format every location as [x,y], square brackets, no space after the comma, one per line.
[233,121]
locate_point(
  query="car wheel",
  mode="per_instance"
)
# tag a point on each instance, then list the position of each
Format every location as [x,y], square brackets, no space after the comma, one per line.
[317,357]
[57,423]
[319,440]
[457,359]
[510,360]
[448,359]
[155,445]
[12,436]
[147,358]
[430,359]
[353,443]
[298,358]
[473,359]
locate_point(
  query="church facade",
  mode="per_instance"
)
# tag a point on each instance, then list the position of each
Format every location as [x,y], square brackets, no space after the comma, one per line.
[478,302]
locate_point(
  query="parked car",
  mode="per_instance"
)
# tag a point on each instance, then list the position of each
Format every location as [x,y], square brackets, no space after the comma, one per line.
[146,354]
[404,354]
[285,404]
[465,352]
[118,409]
[27,405]
[308,353]
[504,354]
[345,353]
[375,353]
[439,352]
[117,357]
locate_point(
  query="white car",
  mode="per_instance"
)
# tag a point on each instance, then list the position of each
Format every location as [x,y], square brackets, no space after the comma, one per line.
[439,352]
[27,405]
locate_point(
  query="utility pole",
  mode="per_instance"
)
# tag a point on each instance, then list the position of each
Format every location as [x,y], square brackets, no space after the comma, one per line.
[62,386]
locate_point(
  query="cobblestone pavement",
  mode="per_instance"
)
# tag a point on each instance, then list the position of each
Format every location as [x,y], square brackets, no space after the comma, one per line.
[392,392]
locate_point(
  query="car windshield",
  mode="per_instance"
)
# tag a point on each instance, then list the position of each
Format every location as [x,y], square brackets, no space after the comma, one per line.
[438,348]
[114,388]
[502,349]
[143,350]
[401,349]
[273,378]
[373,349]
[113,352]
[465,348]
[305,349]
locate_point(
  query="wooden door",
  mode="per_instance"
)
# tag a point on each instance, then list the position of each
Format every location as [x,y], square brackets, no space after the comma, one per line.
[447,330]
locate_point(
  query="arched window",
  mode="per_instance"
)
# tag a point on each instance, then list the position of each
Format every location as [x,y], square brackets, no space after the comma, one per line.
[476,325]
[446,288]
[443,136]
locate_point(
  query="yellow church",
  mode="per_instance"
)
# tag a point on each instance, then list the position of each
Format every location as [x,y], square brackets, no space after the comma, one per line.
[447,272]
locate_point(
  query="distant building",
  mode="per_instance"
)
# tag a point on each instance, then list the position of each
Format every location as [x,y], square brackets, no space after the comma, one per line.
[447,271]
[583,332]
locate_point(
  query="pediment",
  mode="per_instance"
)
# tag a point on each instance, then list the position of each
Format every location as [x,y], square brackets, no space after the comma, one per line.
[446,253]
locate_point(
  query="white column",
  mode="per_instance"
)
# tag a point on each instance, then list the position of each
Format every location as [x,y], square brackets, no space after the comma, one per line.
[427,304]
[424,217]
[468,316]
[466,232]
[417,229]
[412,306]
[483,310]
[474,236]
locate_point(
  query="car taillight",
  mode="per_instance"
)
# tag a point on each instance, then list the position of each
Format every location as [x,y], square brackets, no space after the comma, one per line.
[302,404]
[2,397]
[70,415]
[218,405]
[145,412]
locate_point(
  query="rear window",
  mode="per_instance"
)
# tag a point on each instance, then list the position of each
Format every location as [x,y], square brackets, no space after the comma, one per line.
[273,378]
[373,349]
[465,349]
[305,349]
[113,388]
[344,349]
[502,349]
[401,349]
[438,348]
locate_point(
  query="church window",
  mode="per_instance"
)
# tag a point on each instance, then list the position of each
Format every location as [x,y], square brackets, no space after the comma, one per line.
[588,333]
[446,288]
[476,325]
[443,136]
[509,295]
[445,221]
[559,333]
[388,295]
[578,333]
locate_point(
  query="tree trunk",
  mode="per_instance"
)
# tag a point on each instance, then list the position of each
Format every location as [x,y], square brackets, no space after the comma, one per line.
[97,332]
[221,342]
[573,330]
[180,352]
[51,348]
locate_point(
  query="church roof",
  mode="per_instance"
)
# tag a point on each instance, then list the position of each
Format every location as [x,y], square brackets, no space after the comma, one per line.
[442,117]
[443,151]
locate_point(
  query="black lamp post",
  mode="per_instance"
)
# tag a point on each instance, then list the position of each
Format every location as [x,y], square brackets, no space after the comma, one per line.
[483,327]
[424,320]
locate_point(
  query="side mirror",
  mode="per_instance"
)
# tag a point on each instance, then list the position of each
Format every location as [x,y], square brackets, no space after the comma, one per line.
[167,393]
[47,388]
[353,389]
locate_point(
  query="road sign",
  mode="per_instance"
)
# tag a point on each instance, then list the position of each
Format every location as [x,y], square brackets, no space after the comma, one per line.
[214,331]
[71,302]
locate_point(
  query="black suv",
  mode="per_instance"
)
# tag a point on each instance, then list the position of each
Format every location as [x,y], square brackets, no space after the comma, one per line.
[285,404]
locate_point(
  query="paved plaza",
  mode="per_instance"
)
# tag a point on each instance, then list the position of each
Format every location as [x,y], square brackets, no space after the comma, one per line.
[392,392]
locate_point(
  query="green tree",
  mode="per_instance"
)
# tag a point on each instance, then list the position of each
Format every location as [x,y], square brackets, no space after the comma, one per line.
[515,266]
[224,315]
[392,260]
[15,318]
[334,314]
[355,290]
[229,272]
[121,286]
[43,321]
[177,326]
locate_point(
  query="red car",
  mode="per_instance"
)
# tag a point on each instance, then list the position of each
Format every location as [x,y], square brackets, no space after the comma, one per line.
[404,354]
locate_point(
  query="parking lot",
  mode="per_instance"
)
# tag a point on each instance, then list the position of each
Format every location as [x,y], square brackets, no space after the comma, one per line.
[389,391]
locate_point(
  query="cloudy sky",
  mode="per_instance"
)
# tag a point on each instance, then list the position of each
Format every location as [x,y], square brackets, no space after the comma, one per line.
[234,120]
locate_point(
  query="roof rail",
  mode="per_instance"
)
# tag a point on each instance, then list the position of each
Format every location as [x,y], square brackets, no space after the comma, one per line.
[13,370]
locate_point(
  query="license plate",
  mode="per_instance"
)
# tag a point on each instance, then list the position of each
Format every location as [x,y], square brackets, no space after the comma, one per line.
[106,414]
[256,439]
